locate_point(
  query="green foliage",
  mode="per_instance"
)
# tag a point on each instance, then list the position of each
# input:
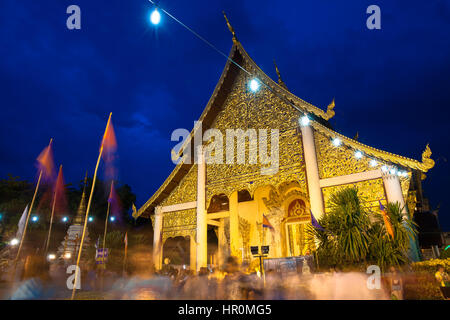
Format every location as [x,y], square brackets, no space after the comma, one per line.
[355,236]
[346,237]
[431,266]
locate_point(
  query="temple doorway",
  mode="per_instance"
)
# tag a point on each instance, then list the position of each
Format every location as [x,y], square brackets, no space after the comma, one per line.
[296,224]
[177,249]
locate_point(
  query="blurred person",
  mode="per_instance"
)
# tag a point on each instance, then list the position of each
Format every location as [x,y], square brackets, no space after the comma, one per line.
[143,283]
[443,280]
[396,284]
[35,278]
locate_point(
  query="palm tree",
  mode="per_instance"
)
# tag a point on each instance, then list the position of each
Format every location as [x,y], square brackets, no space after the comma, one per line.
[346,238]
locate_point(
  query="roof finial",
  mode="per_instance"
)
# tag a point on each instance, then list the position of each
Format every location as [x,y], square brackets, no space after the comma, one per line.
[426,157]
[230,27]
[280,81]
[330,110]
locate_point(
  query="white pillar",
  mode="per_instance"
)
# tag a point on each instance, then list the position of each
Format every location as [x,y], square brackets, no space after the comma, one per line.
[393,187]
[202,225]
[312,171]
[157,244]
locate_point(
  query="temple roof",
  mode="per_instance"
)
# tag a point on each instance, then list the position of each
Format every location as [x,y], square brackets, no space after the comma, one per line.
[319,122]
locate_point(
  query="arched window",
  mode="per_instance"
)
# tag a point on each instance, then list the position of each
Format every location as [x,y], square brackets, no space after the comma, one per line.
[219,203]
[244,195]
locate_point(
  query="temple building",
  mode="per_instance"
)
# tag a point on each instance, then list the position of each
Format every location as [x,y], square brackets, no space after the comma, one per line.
[314,161]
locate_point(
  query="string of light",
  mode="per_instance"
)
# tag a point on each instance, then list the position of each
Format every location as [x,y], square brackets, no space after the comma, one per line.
[255,83]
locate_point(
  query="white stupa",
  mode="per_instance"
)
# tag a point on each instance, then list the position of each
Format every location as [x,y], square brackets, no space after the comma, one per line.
[68,250]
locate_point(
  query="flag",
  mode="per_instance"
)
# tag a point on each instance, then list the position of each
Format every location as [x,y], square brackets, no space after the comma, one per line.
[21,225]
[114,201]
[125,240]
[59,194]
[46,165]
[314,222]
[266,223]
[387,222]
[109,144]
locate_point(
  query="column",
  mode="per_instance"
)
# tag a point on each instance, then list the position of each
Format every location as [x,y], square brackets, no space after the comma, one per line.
[193,253]
[157,244]
[202,225]
[394,194]
[312,171]
[235,239]
[393,187]
[221,241]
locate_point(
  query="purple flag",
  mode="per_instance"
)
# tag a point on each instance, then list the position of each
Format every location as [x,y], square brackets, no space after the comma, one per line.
[315,223]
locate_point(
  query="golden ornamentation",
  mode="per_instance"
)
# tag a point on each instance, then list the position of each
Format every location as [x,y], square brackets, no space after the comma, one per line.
[369,192]
[229,26]
[181,223]
[186,191]
[330,110]
[426,157]
[373,152]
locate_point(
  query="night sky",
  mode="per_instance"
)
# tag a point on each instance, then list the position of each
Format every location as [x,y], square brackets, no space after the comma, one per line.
[391,85]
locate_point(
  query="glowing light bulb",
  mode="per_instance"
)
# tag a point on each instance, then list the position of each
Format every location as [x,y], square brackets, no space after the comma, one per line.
[51,256]
[65,219]
[112,219]
[304,120]
[384,168]
[393,171]
[67,255]
[358,154]
[155,17]
[373,162]
[336,142]
[254,85]
[35,218]
[90,219]
[14,242]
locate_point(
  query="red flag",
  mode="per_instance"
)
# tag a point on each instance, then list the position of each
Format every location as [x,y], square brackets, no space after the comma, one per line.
[46,165]
[59,192]
[387,222]
[114,200]
[109,144]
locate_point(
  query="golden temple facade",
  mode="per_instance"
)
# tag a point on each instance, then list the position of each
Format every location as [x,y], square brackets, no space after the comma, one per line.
[313,162]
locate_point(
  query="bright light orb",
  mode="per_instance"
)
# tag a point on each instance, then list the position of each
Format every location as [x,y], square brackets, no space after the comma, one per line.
[112,219]
[384,168]
[304,120]
[35,218]
[14,242]
[65,219]
[336,142]
[90,219]
[51,256]
[393,171]
[254,85]
[358,154]
[67,255]
[373,162]
[155,17]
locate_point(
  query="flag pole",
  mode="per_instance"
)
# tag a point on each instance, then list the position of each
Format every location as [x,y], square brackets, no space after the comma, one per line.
[53,211]
[125,255]
[28,215]
[104,240]
[87,209]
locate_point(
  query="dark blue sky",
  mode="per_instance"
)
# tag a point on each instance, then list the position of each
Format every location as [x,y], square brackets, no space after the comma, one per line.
[391,85]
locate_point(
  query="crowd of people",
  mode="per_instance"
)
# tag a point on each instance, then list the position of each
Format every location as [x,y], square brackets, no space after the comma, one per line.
[40,280]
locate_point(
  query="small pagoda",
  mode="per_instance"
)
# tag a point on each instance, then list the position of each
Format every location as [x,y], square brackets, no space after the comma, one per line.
[68,250]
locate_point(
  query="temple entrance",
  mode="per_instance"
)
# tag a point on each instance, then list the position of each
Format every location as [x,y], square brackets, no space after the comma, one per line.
[295,224]
[177,250]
